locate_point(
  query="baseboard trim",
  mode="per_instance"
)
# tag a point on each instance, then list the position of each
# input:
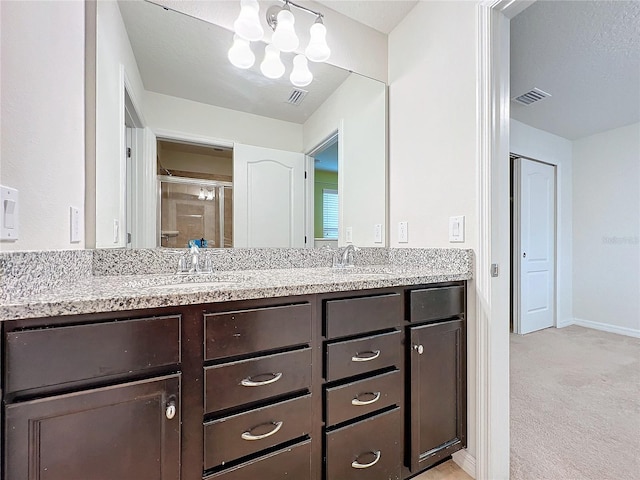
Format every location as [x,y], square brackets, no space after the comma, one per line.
[605,327]
[565,323]
[465,461]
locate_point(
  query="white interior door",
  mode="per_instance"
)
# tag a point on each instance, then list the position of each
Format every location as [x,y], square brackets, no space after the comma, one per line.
[268,197]
[535,245]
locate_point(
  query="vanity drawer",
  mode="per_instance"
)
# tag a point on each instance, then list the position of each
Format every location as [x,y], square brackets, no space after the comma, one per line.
[239,435]
[249,331]
[45,357]
[289,463]
[436,303]
[246,381]
[351,316]
[353,357]
[367,450]
[354,399]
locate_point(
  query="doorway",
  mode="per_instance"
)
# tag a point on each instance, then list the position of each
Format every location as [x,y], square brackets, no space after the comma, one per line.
[196,194]
[324,187]
[533,245]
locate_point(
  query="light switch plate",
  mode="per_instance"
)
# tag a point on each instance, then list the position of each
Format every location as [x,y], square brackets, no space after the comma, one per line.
[377,233]
[403,232]
[456,229]
[348,234]
[9,214]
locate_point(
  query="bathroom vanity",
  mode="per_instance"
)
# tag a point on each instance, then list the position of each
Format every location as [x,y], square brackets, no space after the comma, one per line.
[362,376]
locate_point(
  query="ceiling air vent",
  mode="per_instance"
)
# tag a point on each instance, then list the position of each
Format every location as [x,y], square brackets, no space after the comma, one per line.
[531,96]
[296,96]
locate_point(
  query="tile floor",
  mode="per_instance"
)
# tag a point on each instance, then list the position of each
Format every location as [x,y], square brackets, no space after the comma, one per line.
[445,471]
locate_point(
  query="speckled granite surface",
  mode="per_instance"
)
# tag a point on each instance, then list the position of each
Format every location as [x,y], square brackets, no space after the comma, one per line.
[27,273]
[165,260]
[86,293]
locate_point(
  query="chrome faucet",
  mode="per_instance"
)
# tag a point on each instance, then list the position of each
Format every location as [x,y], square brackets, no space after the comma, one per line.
[192,262]
[346,258]
[195,258]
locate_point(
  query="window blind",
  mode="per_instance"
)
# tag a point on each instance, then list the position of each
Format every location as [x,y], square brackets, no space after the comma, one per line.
[329,213]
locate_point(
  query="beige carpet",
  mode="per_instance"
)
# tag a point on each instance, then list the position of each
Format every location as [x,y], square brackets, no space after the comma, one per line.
[575,405]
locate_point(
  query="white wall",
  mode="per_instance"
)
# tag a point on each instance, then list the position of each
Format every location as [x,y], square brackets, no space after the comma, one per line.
[606,230]
[543,146]
[347,38]
[359,105]
[165,113]
[42,114]
[432,140]
[115,61]
[432,130]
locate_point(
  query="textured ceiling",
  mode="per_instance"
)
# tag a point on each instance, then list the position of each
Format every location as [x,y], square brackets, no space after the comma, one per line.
[382,15]
[586,54]
[186,57]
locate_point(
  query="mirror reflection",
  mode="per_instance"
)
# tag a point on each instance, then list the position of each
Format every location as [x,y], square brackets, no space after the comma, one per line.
[227,157]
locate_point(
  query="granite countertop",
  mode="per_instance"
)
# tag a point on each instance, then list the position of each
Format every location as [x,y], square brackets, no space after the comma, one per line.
[129,292]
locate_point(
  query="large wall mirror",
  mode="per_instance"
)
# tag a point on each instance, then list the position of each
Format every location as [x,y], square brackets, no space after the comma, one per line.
[190,147]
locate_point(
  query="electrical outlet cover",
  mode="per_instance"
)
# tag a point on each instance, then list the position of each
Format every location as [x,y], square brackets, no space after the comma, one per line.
[377,233]
[348,235]
[403,232]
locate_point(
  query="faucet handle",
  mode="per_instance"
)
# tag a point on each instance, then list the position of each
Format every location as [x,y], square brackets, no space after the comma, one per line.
[183,266]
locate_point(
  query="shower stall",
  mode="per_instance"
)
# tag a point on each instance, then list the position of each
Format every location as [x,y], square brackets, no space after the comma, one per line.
[195,209]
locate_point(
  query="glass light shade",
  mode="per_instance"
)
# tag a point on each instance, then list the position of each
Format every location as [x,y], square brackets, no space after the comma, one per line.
[240,54]
[285,37]
[301,76]
[210,194]
[318,50]
[272,66]
[247,25]
[201,194]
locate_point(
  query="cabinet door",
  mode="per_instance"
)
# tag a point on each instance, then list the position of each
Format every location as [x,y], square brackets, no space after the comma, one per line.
[122,432]
[438,392]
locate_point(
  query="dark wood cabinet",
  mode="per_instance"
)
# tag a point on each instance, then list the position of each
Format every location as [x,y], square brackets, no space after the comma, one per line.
[258,397]
[370,449]
[437,376]
[364,385]
[126,432]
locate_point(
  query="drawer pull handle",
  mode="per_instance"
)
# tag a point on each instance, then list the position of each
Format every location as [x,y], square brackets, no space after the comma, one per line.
[359,403]
[357,464]
[170,412]
[247,382]
[251,437]
[358,358]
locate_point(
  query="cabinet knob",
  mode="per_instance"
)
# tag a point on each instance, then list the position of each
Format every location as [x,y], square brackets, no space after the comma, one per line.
[170,412]
[419,349]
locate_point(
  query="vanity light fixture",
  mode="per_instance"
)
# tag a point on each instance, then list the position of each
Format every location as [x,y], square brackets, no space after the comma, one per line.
[206,194]
[318,50]
[247,25]
[284,39]
[240,54]
[300,76]
[272,66]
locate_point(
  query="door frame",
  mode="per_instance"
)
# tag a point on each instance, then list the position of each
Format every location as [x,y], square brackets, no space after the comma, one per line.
[310,182]
[492,293]
[181,137]
[516,286]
